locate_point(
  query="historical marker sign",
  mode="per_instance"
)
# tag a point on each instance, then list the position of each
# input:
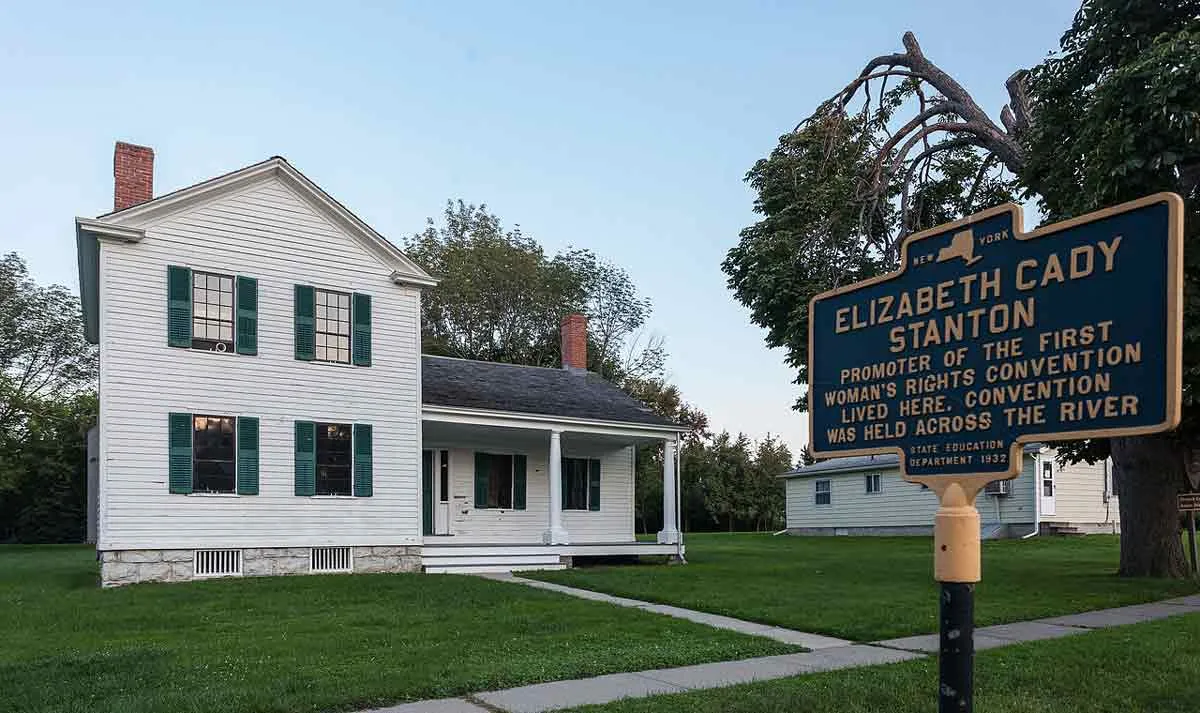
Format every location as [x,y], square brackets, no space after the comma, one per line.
[1189,502]
[987,338]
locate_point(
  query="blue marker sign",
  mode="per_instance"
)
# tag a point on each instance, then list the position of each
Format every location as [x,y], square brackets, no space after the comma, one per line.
[987,338]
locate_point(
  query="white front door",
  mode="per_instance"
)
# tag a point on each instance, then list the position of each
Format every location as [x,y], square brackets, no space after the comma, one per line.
[441,493]
[1046,486]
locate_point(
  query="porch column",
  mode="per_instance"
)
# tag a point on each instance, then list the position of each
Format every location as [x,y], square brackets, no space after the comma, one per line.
[669,535]
[555,534]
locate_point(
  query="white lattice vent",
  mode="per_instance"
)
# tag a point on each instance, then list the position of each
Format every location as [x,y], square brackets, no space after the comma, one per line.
[331,559]
[217,563]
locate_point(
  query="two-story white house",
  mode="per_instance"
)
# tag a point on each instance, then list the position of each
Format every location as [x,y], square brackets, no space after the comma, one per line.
[265,407]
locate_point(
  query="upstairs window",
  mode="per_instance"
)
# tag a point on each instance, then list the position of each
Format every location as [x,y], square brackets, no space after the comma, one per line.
[332,326]
[334,459]
[212,311]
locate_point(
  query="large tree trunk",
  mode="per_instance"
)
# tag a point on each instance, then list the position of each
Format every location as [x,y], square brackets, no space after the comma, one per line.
[1148,474]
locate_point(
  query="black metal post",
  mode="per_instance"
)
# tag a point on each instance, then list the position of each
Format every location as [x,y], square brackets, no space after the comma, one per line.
[956,662]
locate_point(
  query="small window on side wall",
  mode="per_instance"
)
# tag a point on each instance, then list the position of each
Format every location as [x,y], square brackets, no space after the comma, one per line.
[823,492]
[874,483]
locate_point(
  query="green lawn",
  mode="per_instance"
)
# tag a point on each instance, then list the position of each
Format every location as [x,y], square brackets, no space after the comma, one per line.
[307,643]
[1150,668]
[871,588]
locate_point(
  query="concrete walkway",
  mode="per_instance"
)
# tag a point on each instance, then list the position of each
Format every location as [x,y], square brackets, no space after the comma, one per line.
[812,642]
[555,695]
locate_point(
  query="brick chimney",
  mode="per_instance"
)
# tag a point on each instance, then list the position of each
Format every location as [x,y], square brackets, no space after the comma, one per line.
[574,341]
[133,175]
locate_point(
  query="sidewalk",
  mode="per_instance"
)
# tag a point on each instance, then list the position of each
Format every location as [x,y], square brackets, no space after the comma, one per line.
[556,695]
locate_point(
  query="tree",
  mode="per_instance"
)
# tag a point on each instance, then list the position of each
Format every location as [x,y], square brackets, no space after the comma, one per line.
[44,357]
[1111,116]
[502,298]
[806,456]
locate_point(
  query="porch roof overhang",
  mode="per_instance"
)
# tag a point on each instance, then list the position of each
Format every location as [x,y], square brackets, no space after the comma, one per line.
[539,422]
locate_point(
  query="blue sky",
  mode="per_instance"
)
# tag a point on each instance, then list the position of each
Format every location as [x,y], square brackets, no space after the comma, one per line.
[624,127]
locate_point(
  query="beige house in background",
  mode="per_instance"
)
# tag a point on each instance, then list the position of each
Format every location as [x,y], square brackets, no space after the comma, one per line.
[865,495]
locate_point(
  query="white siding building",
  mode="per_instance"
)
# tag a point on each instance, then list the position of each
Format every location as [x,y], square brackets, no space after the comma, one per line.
[866,495]
[265,408]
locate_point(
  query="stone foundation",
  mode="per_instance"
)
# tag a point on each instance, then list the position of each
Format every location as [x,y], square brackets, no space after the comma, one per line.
[121,567]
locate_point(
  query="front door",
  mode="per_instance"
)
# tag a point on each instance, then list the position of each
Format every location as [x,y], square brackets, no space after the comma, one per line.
[1046,483]
[435,492]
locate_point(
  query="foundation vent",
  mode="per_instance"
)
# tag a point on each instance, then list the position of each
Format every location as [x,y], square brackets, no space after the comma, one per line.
[331,559]
[217,563]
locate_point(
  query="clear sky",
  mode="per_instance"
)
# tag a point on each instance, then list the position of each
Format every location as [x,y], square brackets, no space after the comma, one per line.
[623,127]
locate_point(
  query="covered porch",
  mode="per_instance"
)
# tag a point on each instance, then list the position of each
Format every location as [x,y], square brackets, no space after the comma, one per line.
[511,491]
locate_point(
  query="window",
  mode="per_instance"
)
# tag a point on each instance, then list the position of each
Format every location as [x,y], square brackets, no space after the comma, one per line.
[499,472]
[874,483]
[1047,479]
[333,459]
[576,482]
[214,454]
[212,312]
[444,477]
[824,491]
[332,326]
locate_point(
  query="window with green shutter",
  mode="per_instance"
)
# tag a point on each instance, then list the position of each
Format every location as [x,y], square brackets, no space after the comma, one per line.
[500,481]
[305,325]
[306,458]
[246,335]
[179,306]
[363,487]
[580,484]
[247,455]
[361,341]
[179,452]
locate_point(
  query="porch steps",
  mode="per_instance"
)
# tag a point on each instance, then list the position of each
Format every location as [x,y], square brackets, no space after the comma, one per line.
[470,563]
[1062,529]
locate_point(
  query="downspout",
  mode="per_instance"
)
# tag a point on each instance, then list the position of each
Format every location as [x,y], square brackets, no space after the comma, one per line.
[1037,497]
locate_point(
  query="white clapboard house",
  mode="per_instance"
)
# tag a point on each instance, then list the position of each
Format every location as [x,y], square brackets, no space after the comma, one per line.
[265,407]
[865,495]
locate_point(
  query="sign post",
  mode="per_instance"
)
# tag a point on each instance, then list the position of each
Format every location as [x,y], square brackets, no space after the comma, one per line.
[1190,503]
[987,339]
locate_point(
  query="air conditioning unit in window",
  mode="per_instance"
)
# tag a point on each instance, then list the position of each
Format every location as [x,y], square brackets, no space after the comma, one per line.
[998,488]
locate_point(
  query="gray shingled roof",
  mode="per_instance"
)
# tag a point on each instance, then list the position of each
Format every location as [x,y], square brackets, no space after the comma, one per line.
[529,389]
[858,463]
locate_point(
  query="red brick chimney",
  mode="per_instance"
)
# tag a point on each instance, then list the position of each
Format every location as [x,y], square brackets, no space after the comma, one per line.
[133,175]
[574,341]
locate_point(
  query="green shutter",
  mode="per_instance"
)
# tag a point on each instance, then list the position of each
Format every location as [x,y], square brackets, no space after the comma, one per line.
[564,477]
[246,333]
[247,455]
[306,458]
[179,452]
[306,326]
[519,463]
[360,340]
[481,480]
[593,485]
[179,306]
[426,492]
[362,460]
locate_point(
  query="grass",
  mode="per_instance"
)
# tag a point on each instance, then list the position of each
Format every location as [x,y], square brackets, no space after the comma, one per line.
[1151,668]
[307,643]
[873,588]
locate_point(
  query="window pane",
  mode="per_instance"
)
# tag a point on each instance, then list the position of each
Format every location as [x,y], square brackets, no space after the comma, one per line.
[333,459]
[227,284]
[214,282]
[500,481]
[213,453]
[198,279]
[444,468]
